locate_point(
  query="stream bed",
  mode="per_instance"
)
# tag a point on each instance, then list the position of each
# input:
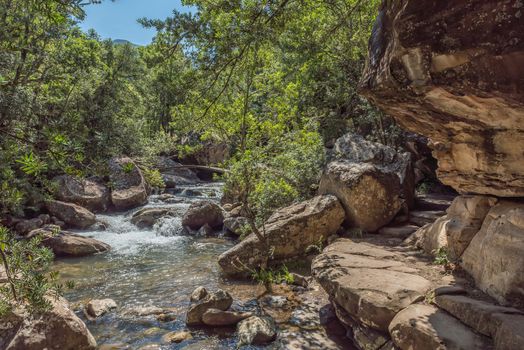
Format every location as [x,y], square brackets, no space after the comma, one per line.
[151,269]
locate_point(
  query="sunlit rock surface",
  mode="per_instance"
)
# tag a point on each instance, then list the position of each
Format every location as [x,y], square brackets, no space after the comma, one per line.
[454,71]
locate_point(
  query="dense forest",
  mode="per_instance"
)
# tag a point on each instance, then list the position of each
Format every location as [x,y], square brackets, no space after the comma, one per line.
[275,81]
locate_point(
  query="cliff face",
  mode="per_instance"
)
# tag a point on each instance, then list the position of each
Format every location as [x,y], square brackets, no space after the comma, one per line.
[453,70]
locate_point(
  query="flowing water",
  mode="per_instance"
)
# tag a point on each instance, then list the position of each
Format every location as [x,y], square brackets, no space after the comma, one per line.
[155,268]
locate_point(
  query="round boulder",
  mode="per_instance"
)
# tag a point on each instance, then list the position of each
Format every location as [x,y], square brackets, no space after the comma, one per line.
[85,192]
[72,214]
[201,213]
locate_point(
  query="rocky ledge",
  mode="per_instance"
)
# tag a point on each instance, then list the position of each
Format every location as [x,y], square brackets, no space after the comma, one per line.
[393,297]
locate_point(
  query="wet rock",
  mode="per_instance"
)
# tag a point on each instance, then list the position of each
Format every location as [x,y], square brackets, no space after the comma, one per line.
[151,347]
[290,231]
[495,256]
[201,213]
[176,337]
[147,217]
[84,192]
[256,330]
[427,327]
[479,315]
[455,86]
[64,243]
[98,307]
[166,317]
[219,299]
[129,187]
[72,214]
[198,294]
[205,231]
[218,318]
[58,328]
[370,195]
[368,282]
[152,331]
[237,225]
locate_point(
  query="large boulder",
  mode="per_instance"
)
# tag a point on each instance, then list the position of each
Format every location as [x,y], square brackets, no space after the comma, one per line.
[129,189]
[56,329]
[495,256]
[289,232]
[368,282]
[427,327]
[72,214]
[174,174]
[201,213]
[369,195]
[455,230]
[85,192]
[64,243]
[452,71]
[353,148]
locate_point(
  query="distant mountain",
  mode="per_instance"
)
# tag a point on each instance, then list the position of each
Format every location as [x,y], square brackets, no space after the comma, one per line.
[124,42]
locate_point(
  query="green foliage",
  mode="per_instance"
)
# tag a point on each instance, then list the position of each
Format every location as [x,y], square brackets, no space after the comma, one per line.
[317,247]
[153,178]
[269,276]
[441,256]
[128,168]
[30,280]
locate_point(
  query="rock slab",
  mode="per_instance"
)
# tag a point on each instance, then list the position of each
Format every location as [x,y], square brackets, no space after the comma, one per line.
[368,282]
[289,231]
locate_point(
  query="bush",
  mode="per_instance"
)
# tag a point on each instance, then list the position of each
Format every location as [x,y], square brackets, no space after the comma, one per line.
[29,277]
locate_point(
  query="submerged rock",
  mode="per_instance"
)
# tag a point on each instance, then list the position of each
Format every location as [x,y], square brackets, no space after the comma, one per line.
[201,213]
[176,337]
[72,214]
[129,187]
[290,231]
[219,299]
[98,307]
[58,328]
[85,192]
[256,330]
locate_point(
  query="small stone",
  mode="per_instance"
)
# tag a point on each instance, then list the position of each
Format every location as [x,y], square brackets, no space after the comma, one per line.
[299,280]
[176,337]
[256,330]
[220,299]
[98,307]
[166,317]
[198,294]
[151,331]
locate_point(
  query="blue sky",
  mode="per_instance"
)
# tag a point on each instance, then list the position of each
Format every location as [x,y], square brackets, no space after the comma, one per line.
[117,20]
